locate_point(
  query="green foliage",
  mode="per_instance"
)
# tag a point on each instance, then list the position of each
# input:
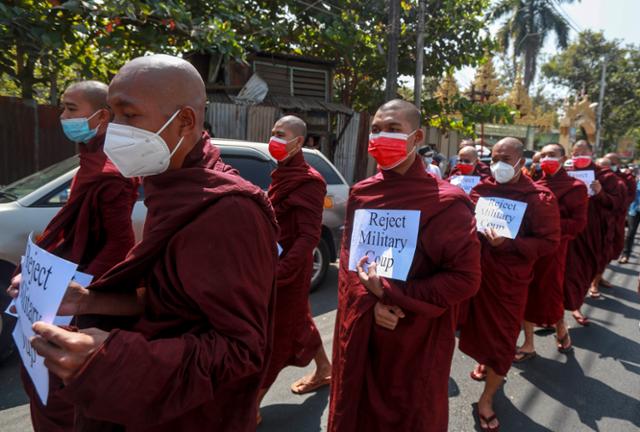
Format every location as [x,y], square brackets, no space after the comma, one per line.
[461,114]
[579,67]
[527,26]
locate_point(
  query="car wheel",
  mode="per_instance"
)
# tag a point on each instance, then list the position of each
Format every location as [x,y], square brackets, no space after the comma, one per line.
[7,322]
[321,258]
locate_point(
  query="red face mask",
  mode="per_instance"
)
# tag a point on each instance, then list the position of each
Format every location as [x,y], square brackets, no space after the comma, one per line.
[465,169]
[388,149]
[278,148]
[581,162]
[550,165]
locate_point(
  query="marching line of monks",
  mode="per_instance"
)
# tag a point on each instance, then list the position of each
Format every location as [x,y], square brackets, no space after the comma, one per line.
[188,329]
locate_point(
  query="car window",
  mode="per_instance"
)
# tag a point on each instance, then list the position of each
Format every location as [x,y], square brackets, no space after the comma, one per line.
[26,185]
[323,168]
[60,197]
[255,170]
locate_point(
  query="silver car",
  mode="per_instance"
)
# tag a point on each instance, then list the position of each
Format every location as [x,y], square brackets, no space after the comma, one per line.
[28,205]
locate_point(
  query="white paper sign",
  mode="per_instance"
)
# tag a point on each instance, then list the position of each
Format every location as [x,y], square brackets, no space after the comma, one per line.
[466,183]
[45,278]
[585,176]
[501,214]
[387,237]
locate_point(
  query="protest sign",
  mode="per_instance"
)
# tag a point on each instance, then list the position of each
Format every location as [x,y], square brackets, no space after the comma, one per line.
[585,176]
[501,214]
[388,238]
[45,279]
[466,183]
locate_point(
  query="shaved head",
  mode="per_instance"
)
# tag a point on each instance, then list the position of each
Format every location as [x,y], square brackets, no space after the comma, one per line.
[94,92]
[554,148]
[613,157]
[603,162]
[511,144]
[536,157]
[468,153]
[294,124]
[404,109]
[148,91]
[466,143]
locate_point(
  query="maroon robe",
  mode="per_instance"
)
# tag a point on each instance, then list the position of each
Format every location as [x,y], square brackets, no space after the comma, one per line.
[386,380]
[545,303]
[297,193]
[481,169]
[589,253]
[196,357]
[491,330]
[629,181]
[94,230]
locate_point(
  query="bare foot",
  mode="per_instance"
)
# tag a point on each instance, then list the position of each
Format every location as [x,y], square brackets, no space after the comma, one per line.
[312,382]
[479,373]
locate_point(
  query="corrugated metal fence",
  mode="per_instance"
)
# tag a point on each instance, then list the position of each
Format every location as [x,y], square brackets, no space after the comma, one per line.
[30,138]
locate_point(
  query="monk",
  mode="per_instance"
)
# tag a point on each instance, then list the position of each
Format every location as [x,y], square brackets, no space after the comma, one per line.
[394,338]
[491,330]
[535,171]
[545,303]
[297,193]
[469,164]
[629,181]
[197,355]
[92,229]
[588,254]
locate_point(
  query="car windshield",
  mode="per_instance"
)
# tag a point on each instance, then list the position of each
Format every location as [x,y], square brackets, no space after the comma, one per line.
[23,187]
[323,168]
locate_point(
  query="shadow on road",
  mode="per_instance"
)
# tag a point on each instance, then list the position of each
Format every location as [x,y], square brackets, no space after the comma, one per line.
[509,416]
[590,398]
[325,298]
[297,417]
[11,393]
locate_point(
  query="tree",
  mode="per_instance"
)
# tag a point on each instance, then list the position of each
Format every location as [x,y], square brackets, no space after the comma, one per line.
[578,69]
[528,25]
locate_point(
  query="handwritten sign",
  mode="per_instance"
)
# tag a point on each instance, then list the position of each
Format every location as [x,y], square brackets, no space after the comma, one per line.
[464,182]
[45,278]
[388,238]
[585,176]
[501,214]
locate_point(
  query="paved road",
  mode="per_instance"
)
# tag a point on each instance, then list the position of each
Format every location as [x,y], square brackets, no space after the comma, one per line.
[597,388]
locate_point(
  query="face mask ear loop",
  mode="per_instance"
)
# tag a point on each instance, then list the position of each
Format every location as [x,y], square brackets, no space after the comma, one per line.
[175,149]
[168,122]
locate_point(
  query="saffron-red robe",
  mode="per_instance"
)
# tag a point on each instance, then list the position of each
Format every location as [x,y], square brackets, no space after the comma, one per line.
[94,230]
[545,303]
[195,359]
[621,215]
[297,194]
[491,330]
[386,380]
[589,253]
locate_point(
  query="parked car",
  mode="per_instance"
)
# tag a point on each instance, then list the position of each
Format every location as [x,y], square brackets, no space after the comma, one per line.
[28,205]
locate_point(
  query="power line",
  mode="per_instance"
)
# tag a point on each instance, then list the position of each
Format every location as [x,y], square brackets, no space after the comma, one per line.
[564,15]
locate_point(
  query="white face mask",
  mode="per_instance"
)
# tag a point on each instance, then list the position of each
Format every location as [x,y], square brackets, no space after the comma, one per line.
[503,172]
[138,152]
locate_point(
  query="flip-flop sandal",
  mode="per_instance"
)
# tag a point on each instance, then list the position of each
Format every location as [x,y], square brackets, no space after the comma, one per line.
[309,387]
[526,356]
[605,284]
[583,321]
[623,260]
[258,420]
[560,344]
[487,420]
[477,377]
[594,294]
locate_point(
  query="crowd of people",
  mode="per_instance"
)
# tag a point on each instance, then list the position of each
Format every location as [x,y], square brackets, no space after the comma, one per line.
[189,328]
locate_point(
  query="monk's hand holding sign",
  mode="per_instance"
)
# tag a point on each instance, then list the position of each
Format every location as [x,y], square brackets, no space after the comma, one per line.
[493,238]
[387,316]
[66,352]
[14,287]
[596,187]
[370,278]
[74,300]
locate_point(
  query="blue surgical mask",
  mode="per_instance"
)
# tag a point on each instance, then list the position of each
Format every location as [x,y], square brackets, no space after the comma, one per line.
[77,129]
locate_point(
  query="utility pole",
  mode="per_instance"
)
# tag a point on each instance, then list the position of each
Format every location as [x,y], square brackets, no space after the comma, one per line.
[392,51]
[417,88]
[603,83]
